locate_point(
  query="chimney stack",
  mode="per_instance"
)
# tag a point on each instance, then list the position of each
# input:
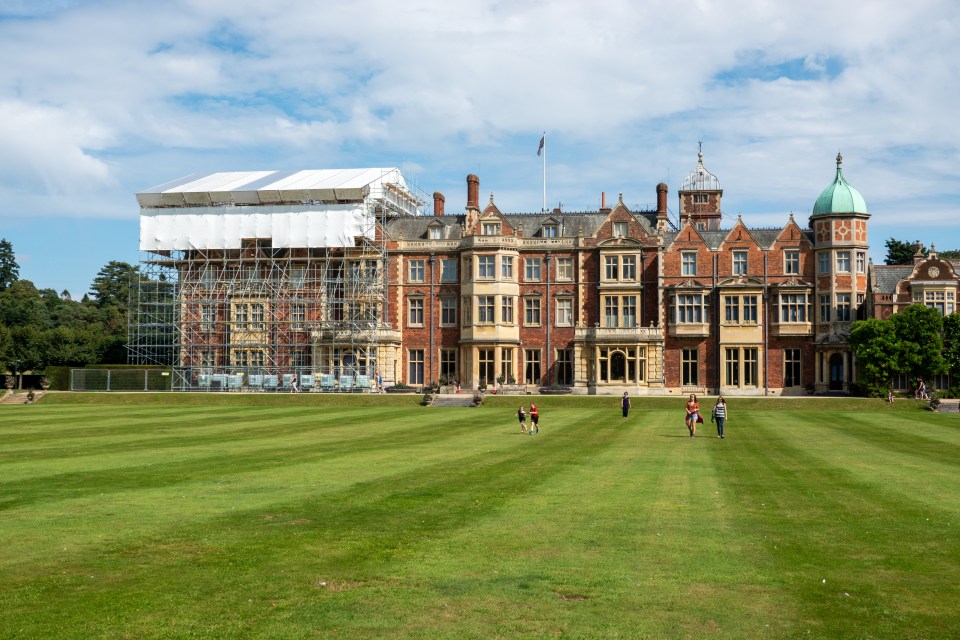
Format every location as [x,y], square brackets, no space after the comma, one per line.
[662,200]
[603,200]
[473,192]
[438,201]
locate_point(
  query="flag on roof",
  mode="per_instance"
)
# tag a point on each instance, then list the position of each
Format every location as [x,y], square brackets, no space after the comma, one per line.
[540,148]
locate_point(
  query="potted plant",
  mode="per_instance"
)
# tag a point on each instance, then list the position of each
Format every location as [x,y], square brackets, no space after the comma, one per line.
[401,387]
[555,390]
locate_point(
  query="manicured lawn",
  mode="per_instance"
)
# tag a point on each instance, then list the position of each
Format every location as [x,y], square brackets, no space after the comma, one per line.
[219,516]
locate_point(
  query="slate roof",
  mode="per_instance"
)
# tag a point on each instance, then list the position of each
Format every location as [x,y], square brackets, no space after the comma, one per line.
[569,224]
[415,227]
[764,237]
[885,277]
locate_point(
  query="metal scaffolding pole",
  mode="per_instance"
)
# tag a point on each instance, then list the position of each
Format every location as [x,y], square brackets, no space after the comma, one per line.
[270,318]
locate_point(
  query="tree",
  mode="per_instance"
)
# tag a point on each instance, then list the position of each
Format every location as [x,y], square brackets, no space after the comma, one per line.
[112,284]
[900,252]
[70,347]
[6,347]
[9,269]
[21,305]
[27,348]
[875,344]
[919,331]
[951,343]
[950,254]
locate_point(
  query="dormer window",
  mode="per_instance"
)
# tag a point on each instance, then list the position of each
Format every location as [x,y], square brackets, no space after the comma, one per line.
[620,229]
[549,231]
[490,228]
[435,233]
[739,263]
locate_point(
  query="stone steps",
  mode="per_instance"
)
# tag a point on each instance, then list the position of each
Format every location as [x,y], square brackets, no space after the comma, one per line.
[949,405]
[19,397]
[452,400]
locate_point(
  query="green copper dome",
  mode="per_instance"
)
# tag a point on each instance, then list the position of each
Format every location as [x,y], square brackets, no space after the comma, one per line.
[839,197]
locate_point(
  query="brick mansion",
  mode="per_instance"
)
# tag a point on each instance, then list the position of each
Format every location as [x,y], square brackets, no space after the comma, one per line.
[331,280]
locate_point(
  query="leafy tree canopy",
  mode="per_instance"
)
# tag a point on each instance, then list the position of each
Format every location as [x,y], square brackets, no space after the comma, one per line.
[918,329]
[21,305]
[875,344]
[9,269]
[900,252]
[112,284]
[951,342]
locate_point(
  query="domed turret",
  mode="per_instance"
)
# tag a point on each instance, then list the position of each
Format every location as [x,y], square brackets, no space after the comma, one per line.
[700,179]
[700,195]
[839,197]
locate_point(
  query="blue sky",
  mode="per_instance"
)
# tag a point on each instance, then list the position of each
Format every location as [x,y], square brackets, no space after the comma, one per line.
[99,100]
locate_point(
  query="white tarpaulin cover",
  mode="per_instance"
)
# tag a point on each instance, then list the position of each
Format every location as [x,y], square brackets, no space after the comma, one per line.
[331,225]
[315,208]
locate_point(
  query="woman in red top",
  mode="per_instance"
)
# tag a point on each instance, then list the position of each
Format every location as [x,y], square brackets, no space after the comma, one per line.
[693,414]
[534,418]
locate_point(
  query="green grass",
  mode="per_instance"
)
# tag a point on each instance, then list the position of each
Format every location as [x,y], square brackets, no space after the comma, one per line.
[229,516]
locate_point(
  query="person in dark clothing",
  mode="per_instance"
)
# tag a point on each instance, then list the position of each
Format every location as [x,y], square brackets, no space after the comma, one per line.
[522,417]
[720,415]
[625,404]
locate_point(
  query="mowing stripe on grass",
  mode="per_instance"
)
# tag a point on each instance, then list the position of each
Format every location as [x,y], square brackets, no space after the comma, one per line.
[370,520]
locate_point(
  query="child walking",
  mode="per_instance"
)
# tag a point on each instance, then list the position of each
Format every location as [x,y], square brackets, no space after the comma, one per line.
[522,417]
[534,418]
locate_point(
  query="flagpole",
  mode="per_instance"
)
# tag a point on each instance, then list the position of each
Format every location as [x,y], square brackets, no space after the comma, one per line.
[544,172]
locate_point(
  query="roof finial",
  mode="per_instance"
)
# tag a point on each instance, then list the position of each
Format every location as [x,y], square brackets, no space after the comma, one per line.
[621,197]
[839,159]
[700,151]
[491,197]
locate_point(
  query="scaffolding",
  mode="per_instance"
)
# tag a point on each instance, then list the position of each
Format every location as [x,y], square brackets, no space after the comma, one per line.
[284,290]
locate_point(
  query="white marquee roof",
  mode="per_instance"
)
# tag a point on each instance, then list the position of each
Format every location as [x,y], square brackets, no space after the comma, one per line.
[320,208]
[277,187]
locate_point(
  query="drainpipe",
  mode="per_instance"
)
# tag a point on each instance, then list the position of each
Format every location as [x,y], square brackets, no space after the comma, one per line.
[662,315]
[643,271]
[718,361]
[766,352]
[548,317]
[433,270]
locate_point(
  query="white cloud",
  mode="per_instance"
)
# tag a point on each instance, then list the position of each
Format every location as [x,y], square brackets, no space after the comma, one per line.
[44,148]
[624,89]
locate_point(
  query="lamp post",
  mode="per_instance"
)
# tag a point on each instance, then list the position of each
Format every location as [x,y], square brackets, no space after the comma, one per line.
[16,370]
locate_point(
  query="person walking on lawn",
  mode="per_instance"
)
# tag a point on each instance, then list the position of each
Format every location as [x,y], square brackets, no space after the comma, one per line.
[719,415]
[522,417]
[534,418]
[693,415]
